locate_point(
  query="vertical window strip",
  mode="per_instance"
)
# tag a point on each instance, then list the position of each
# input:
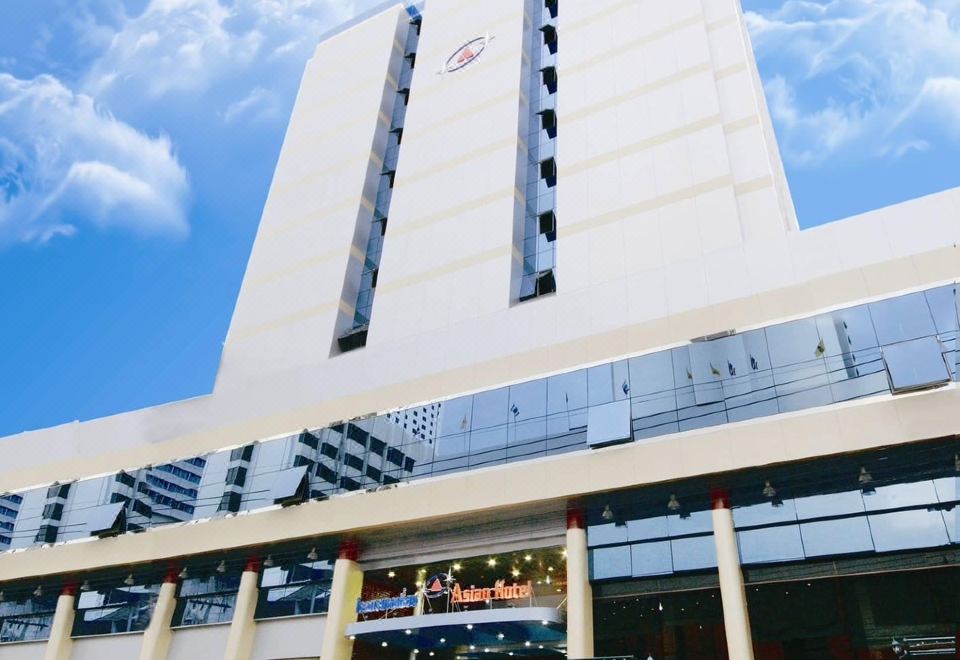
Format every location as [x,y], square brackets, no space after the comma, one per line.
[357,335]
[540,218]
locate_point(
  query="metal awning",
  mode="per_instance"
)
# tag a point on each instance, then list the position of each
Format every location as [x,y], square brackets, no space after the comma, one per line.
[519,627]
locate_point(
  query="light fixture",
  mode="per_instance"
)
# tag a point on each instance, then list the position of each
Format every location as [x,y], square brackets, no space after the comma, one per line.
[222,566]
[674,503]
[607,513]
[660,605]
[769,491]
[865,479]
[383,644]
[492,562]
[407,632]
[38,591]
[183,574]
[564,553]
[456,566]
[500,636]
[550,568]
[312,555]
[129,581]
[956,462]
[527,558]
[469,626]
[443,640]
[268,562]
[391,574]
[515,572]
[85,586]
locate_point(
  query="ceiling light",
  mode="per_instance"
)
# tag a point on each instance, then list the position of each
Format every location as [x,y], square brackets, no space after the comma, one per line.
[1,597]
[183,573]
[674,503]
[515,572]
[312,555]
[457,566]
[391,574]
[491,562]
[85,586]
[268,562]
[607,513]
[129,581]
[769,491]
[956,462]
[222,566]
[865,479]
[527,558]
[38,591]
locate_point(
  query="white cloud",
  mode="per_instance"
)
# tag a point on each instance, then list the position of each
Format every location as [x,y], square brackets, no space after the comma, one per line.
[259,104]
[860,78]
[64,162]
[187,47]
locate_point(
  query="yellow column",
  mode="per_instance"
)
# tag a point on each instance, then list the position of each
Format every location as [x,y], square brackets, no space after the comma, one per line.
[736,618]
[579,591]
[157,636]
[60,642]
[242,626]
[347,584]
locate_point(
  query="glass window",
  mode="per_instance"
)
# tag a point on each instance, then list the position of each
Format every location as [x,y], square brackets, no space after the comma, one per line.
[567,411]
[647,528]
[836,537]
[26,619]
[831,504]
[653,395]
[651,558]
[905,530]
[295,589]
[771,544]
[898,496]
[902,318]
[764,514]
[696,522]
[692,554]
[608,382]
[610,562]
[916,364]
[607,533]
[528,419]
[113,610]
[207,599]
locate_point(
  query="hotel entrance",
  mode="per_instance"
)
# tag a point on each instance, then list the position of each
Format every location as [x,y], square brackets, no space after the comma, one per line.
[491,606]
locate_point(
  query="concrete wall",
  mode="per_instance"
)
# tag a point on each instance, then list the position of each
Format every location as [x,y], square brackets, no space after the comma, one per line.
[281,639]
[107,646]
[24,651]
[199,642]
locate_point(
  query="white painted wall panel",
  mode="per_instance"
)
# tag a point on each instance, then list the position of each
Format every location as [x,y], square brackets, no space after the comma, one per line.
[199,642]
[120,647]
[285,639]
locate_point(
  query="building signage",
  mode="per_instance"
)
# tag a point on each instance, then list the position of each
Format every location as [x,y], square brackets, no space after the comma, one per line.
[500,591]
[466,55]
[401,602]
[437,586]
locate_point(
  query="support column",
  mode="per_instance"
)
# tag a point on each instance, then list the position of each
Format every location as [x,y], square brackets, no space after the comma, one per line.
[157,636]
[60,642]
[242,626]
[736,618]
[579,591]
[347,584]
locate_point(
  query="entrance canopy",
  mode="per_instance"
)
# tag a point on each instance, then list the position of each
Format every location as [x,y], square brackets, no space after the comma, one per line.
[523,630]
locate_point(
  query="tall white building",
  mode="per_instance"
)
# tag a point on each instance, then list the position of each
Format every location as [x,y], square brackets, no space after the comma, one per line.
[530,359]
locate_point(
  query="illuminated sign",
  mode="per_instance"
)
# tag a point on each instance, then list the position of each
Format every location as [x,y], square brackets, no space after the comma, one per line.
[437,586]
[500,591]
[466,55]
[401,602]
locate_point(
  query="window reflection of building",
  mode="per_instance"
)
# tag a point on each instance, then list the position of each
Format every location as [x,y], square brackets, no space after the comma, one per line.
[113,609]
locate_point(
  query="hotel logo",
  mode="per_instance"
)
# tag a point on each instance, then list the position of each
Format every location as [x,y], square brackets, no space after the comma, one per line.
[466,55]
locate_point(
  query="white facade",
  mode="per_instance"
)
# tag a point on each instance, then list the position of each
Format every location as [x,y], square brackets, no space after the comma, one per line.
[674,221]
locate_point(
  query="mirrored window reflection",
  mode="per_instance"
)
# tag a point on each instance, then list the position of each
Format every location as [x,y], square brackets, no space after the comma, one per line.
[653,397]
[567,412]
[903,530]
[916,364]
[116,609]
[647,528]
[295,589]
[207,598]
[831,504]
[609,563]
[836,537]
[649,559]
[488,433]
[694,553]
[770,544]
[453,436]
[26,618]
[902,318]
[528,420]
[797,354]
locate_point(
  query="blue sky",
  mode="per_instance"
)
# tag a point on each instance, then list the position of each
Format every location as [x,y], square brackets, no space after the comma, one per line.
[138,137]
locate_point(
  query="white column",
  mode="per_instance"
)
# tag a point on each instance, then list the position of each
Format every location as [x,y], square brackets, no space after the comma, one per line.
[242,626]
[579,591]
[736,619]
[344,592]
[157,636]
[60,642]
